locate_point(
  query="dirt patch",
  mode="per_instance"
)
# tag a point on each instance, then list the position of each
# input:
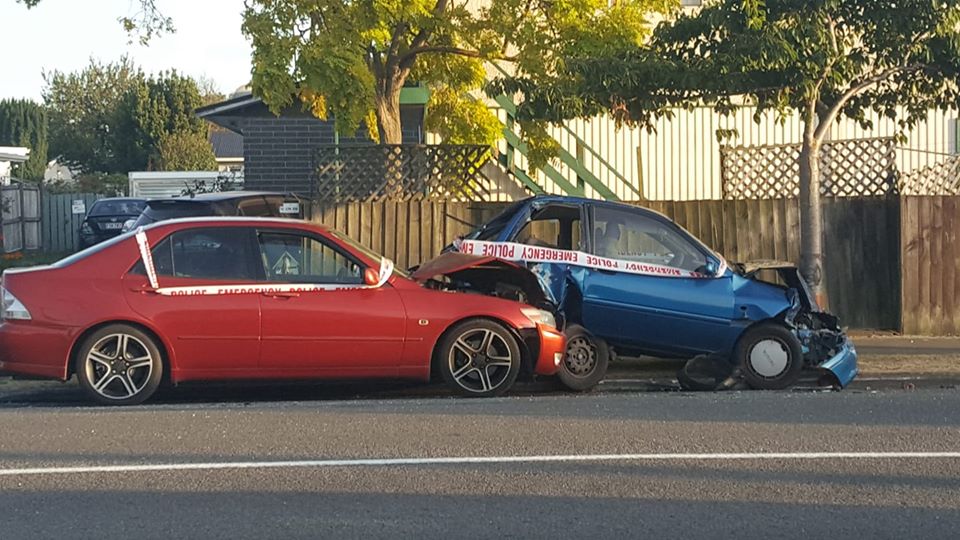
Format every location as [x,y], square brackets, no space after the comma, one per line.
[896,364]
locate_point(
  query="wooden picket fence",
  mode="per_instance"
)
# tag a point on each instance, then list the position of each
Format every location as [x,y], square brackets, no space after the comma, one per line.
[863,277]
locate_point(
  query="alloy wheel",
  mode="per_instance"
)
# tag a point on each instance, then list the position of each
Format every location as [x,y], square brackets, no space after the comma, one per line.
[480,360]
[119,366]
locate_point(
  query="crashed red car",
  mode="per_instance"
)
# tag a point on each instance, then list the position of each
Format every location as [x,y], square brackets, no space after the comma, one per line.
[250,298]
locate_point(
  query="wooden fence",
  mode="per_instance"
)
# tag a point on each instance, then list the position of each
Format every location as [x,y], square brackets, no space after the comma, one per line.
[930,260]
[862,275]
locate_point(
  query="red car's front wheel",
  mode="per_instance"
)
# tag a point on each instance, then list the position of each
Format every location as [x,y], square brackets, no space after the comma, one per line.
[479,358]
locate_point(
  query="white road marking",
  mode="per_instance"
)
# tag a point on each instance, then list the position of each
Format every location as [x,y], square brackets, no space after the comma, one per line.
[396,462]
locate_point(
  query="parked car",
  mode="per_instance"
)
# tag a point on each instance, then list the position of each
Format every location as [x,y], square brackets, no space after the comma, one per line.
[223,203]
[254,298]
[106,217]
[630,281]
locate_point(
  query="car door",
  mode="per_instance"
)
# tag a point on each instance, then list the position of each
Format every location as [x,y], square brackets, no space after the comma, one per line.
[659,313]
[346,330]
[207,332]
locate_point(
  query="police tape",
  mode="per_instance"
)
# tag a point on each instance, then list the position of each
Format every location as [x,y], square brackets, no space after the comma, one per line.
[386,270]
[511,251]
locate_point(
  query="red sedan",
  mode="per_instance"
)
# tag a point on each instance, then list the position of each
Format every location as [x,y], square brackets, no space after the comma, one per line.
[248,298]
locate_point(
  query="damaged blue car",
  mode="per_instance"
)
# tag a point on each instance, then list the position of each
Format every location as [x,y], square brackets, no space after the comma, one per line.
[629,281]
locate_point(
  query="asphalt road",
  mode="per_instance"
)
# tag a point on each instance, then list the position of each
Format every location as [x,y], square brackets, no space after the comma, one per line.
[281,482]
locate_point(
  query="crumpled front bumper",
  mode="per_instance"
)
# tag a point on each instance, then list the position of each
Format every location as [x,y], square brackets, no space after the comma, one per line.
[843,365]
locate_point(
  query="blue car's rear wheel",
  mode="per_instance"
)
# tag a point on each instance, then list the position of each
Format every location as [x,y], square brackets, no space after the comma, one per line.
[770,357]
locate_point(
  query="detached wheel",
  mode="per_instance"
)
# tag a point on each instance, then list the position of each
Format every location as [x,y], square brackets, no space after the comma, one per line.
[770,357]
[479,358]
[585,361]
[119,365]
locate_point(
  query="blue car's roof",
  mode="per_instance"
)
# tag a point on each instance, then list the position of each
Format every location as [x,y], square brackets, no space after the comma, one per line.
[596,202]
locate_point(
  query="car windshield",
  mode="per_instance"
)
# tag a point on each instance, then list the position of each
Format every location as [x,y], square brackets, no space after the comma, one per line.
[365,250]
[117,208]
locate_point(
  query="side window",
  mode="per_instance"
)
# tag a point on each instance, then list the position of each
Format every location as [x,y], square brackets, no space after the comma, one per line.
[294,258]
[207,253]
[629,236]
[554,226]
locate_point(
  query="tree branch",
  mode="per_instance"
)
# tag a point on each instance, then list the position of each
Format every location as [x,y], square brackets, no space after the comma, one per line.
[856,89]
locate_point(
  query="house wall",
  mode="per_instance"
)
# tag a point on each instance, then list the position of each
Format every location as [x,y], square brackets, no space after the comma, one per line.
[278,151]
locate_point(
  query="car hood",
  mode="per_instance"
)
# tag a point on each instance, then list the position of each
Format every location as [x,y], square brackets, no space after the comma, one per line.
[483,272]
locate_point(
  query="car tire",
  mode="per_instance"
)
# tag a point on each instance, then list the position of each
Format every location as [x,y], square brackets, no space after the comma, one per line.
[585,360]
[703,373]
[770,357]
[479,358]
[119,364]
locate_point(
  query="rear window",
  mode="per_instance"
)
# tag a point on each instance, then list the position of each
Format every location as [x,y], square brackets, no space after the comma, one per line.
[117,208]
[172,210]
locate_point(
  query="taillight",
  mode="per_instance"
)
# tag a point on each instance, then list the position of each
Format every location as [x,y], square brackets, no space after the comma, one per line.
[11,308]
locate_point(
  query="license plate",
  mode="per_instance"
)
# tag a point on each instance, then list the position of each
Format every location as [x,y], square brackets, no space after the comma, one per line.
[112,225]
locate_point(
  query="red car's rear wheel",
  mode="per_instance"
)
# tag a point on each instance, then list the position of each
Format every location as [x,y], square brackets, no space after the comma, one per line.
[119,365]
[479,358]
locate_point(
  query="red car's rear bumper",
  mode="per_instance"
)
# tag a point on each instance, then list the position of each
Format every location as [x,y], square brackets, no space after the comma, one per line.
[33,350]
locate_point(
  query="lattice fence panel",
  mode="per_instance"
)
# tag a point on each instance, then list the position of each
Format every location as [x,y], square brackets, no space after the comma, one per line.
[940,179]
[848,168]
[366,173]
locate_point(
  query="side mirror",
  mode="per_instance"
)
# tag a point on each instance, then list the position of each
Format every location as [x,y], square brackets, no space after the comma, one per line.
[370,277]
[710,268]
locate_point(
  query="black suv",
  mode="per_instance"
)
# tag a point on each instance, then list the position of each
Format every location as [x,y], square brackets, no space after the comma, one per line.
[107,217]
[224,203]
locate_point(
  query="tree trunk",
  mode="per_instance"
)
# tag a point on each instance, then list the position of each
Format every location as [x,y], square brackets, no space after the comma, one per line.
[811,221]
[387,102]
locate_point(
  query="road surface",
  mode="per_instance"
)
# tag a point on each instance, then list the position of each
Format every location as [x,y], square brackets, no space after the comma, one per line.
[870,464]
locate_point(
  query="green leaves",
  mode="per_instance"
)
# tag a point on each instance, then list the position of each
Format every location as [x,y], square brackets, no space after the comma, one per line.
[24,123]
[110,118]
[356,55]
[185,151]
[840,57]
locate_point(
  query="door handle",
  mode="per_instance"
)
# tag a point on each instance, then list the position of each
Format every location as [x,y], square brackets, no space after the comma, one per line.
[282,294]
[144,290]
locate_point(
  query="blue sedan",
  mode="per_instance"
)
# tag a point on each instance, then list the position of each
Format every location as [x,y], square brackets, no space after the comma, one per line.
[629,281]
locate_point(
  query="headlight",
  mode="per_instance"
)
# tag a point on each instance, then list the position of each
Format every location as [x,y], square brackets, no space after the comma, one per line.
[11,308]
[85,228]
[540,316]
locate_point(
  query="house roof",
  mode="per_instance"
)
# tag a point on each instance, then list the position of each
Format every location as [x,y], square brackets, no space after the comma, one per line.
[226,144]
[228,106]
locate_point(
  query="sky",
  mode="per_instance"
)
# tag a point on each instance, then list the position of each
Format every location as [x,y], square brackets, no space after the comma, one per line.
[65,34]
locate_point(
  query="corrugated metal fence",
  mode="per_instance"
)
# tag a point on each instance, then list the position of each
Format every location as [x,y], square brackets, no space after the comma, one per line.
[62,214]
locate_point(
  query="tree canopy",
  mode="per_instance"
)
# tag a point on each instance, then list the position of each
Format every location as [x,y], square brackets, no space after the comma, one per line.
[350,59]
[110,118]
[185,151]
[24,123]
